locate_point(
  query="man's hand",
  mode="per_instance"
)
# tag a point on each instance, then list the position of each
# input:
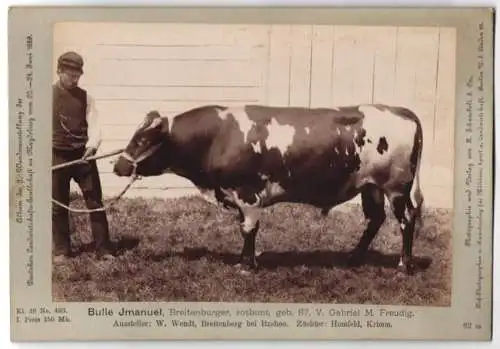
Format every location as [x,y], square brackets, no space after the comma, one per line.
[89,152]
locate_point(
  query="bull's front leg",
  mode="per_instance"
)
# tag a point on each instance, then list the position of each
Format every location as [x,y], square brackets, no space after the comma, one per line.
[248,204]
[249,230]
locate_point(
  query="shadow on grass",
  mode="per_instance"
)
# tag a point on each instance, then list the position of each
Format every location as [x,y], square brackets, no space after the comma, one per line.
[316,258]
[122,245]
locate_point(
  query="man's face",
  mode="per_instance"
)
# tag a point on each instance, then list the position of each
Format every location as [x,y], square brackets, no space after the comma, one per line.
[69,77]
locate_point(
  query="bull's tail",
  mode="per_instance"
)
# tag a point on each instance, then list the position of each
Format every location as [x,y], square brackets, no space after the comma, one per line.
[416,196]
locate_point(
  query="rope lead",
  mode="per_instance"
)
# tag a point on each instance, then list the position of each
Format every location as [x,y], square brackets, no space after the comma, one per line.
[133,178]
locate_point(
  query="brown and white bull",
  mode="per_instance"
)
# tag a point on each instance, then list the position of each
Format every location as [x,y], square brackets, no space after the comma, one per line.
[254,156]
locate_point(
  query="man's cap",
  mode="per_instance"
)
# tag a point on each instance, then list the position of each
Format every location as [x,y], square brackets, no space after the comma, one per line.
[71,59]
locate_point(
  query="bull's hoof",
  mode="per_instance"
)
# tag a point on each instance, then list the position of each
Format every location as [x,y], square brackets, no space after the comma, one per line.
[245,269]
[408,268]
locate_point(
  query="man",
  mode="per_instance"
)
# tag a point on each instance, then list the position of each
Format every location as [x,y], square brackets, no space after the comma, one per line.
[76,134]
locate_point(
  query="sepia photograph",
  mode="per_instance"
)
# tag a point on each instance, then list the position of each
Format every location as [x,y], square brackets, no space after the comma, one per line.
[253,163]
[236,174]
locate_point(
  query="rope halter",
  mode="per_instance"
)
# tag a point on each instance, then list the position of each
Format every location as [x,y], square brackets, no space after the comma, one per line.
[142,157]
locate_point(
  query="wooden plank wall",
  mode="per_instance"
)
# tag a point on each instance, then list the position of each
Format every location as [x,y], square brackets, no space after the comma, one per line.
[133,68]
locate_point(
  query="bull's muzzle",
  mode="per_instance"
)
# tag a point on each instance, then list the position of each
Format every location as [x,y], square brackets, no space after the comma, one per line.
[123,167]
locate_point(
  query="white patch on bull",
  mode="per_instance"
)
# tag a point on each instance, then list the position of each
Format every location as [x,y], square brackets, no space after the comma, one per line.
[271,190]
[336,150]
[308,130]
[224,113]
[241,117]
[280,136]
[241,203]
[399,134]
[400,264]
[338,131]
[250,212]
[248,224]
[274,188]
[356,146]
[413,192]
[171,119]
[256,147]
[348,128]
[346,151]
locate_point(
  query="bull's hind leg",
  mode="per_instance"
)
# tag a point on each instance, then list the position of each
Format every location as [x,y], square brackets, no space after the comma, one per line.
[373,207]
[405,214]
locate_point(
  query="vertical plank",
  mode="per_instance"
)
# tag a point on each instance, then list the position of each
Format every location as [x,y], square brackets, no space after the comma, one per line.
[445,101]
[266,67]
[353,65]
[300,67]
[261,35]
[384,65]
[322,66]
[416,76]
[278,83]
[343,55]
[363,84]
[426,61]
[404,82]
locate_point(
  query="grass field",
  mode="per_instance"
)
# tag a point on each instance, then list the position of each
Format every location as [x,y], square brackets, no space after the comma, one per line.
[185,250]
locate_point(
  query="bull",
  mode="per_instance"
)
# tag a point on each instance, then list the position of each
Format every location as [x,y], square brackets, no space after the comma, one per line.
[251,157]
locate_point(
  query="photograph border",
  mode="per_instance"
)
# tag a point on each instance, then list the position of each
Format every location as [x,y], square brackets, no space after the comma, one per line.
[30,263]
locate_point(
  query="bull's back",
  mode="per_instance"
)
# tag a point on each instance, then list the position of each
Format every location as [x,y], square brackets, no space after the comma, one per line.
[294,145]
[286,128]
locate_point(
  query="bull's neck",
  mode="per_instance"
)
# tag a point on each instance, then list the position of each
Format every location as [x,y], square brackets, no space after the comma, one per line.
[188,159]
